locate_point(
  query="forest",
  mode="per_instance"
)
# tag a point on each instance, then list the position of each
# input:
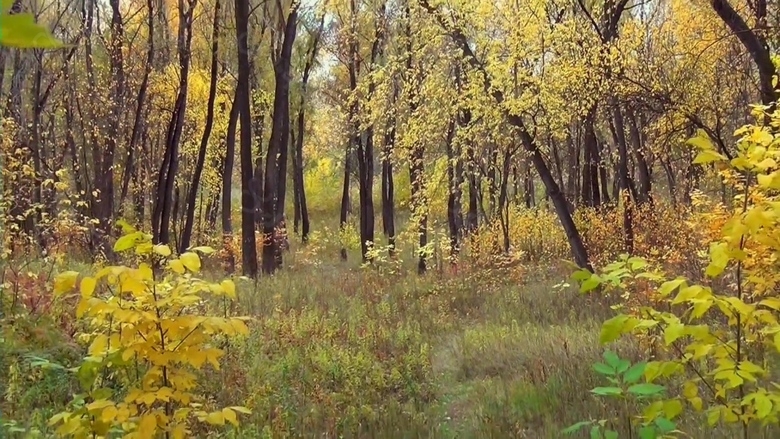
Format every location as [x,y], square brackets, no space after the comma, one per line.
[389,219]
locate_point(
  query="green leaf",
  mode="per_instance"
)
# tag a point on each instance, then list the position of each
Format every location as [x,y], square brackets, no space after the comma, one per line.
[604,369]
[669,286]
[612,359]
[673,332]
[665,425]
[590,284]
[576,427]
[20,31]
[647,432]
[595,432]
[763,405]
[613,328]
[607,391]
[635,372]
[646,389]
[637,263]
[610,434]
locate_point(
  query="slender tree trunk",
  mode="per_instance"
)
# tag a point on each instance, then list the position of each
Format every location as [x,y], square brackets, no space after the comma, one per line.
[344,215]
[167,176]
[204,141]
[275,178]
[130,166]
[623,178]
[248,248]
[454,176]
[388,189]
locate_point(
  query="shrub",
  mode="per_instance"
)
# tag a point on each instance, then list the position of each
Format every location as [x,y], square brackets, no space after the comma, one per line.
[147,338]
[717,340]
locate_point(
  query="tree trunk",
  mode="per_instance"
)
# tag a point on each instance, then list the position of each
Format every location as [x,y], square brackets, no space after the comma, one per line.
[344,215]
[248,248]
[275,178]
[454,179]
[167,175]
[204,141]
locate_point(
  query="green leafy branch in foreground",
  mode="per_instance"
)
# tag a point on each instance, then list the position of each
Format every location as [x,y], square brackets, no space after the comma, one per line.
[20,31]
[624,378]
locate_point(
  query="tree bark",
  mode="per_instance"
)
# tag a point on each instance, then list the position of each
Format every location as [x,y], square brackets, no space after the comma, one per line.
[248,248]
[204,141]
[275,178]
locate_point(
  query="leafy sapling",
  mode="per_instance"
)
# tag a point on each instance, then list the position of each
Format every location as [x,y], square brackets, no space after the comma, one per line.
[625,385]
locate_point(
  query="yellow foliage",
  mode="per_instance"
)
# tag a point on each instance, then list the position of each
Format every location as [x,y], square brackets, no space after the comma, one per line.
[720,334]
[146,320]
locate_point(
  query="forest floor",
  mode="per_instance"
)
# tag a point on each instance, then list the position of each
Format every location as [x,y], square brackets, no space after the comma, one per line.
[487,353]
[342,351]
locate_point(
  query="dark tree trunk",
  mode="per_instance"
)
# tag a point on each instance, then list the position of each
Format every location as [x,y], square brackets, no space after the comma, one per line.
[130,164]
[275,178]
[529,189]
[344,215]
[204,141]
[301,208]
[623,178]
[248,248]
[590,176]
[644,191]
[161,217]
[388,189]
[754,43]
[454,179]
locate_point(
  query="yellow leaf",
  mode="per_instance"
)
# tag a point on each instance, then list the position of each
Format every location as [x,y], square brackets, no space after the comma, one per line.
[708,156]
[669,286]
[215,418]
[761,137]
[109,414]
[145,272]
[126,242]
[713,416]
[176,265]
[204,249]
[673,332]
[143,249]
[64,282]
[672,408]
[162,250]
[126,228]
[690,389]
[229,287]
[241,409]
[191,261]
[230,416]
[148,426]
[133,286]
[239,326]
[740,306]
[82,308]
[701,141]
[688,293]
[179,431]
[719,259]
[99,404]
[87,287]
[99,345]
